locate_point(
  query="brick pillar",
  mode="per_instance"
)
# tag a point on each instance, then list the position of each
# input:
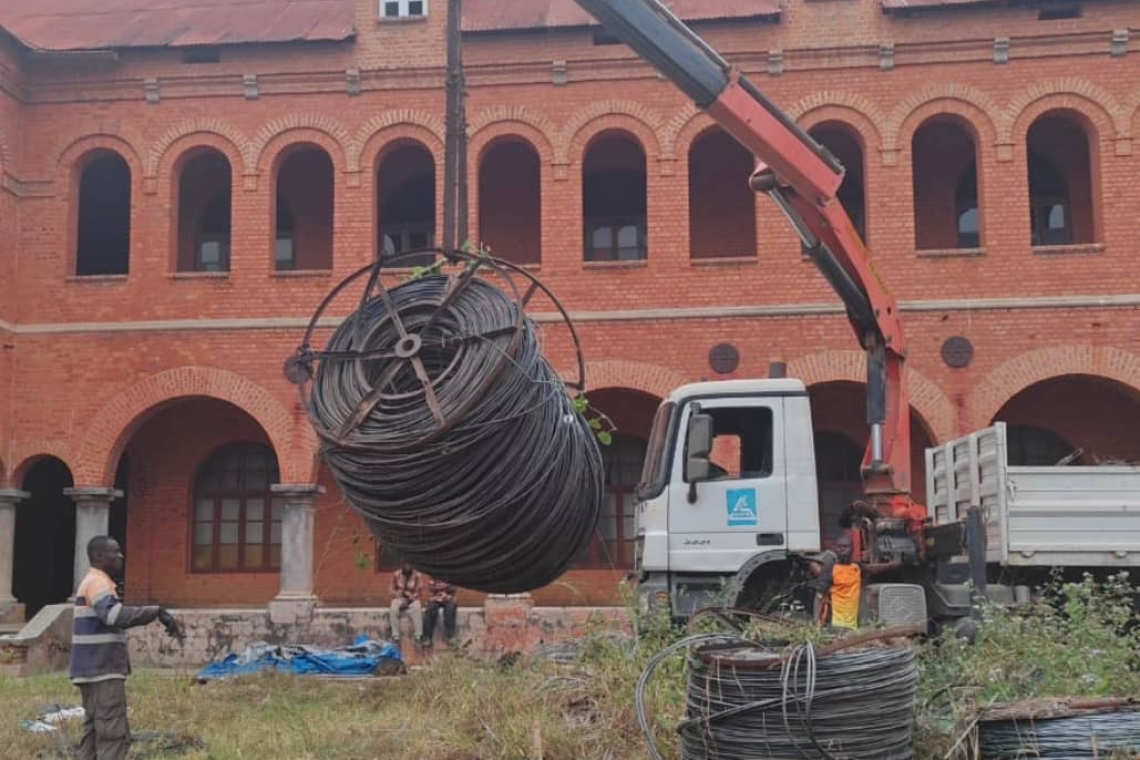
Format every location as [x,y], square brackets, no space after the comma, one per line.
[296,601]
[92,518]
[9,498]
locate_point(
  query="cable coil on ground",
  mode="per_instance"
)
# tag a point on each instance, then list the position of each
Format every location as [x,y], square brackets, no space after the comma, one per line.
[747,700]
[1073,737]
[449,432]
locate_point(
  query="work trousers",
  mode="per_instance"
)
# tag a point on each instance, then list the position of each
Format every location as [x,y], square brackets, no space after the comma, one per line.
[415,612]
[106,734]
[432,616]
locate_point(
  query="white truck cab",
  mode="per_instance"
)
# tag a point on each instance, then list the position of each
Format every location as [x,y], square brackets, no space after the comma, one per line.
[729,486]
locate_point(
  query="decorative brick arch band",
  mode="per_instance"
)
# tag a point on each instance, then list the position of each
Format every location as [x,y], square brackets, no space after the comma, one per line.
[1028,369]
[27,453]
[926,397]
[281,133]
[224,136]
[653,379]
[603,116]
[109,432]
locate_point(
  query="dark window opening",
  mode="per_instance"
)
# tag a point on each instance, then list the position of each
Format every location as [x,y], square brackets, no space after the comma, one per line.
[1061,190]
[201,55]
[303,236]
[213,253]
[966,208]
[510,202]
[945,179]
[614,201]
[204,213]
[1055,10]
[237,521]
[285,250]
[1029,446]
[1048,203]
[104,227]
[604,37]
[844,144]
[406,199]
[722,206]
[613,542]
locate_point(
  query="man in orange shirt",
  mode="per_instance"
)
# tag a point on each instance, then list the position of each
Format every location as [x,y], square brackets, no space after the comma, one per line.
[841,585]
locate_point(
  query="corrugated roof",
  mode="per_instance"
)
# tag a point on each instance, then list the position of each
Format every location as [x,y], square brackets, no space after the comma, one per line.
[62,25]
[501,15]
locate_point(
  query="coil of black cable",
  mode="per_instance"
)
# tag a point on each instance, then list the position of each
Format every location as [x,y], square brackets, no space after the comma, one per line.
[748,700]
[447,429]
[1072,737]
[853,704]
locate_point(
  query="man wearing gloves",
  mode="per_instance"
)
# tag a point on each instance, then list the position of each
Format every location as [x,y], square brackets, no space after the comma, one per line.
[99,661]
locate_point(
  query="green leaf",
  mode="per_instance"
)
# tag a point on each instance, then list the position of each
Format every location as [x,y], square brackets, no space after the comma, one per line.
[596,423]
[605,437]
[580,405]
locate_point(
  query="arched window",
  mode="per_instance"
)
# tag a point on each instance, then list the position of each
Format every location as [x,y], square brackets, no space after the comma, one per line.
[237,524]
[104,224]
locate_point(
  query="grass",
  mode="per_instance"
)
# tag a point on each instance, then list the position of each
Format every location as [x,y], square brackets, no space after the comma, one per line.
[536,708]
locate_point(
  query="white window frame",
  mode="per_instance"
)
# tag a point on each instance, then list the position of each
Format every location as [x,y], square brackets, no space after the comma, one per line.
[403,11]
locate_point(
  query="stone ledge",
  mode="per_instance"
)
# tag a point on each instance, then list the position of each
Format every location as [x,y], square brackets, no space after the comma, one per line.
[499,627]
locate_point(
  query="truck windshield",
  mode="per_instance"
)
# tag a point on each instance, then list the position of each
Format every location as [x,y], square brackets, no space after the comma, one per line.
[655,472]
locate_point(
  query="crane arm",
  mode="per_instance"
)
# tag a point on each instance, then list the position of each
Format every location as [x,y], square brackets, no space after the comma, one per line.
[803,178]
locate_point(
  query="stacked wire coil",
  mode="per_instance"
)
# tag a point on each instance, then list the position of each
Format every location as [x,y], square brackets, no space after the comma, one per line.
[1094,735]
[450,433]
[745,700]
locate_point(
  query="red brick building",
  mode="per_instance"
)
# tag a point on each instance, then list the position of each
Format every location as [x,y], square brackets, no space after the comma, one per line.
[181,188]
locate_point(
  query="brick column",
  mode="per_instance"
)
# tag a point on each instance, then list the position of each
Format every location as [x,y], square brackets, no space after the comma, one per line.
[92,518]
[295,601]
[9,498]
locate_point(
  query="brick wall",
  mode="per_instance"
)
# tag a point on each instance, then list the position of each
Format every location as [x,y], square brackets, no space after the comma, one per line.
[75,388]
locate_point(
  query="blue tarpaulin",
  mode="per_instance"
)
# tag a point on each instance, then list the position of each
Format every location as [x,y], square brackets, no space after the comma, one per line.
[363,658]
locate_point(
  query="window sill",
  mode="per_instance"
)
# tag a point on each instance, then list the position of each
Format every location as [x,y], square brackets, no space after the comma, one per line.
[725,261]
[300,274]
[950,253]
[97,279]
[638,264]
[199,275]
[1063,250]
[383,20]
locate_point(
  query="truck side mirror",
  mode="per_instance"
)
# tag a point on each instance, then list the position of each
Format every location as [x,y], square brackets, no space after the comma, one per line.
[698,445]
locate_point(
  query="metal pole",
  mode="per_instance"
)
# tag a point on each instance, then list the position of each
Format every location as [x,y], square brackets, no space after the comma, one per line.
[455,149]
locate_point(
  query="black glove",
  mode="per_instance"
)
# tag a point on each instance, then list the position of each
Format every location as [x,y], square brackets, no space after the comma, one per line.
[170,624]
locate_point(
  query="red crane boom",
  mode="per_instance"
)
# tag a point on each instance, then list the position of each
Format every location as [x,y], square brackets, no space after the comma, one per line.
[803,178]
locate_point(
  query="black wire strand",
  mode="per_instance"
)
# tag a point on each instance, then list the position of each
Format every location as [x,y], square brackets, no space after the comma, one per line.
[500,485]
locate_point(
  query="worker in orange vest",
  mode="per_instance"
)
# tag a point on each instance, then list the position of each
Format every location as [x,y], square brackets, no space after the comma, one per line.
[840,585]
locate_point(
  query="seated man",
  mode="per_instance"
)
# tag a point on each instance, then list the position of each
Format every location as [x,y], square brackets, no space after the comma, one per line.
[405,588]
[442,599]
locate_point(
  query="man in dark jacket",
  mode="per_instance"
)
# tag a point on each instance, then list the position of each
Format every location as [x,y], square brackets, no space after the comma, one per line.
[99,661]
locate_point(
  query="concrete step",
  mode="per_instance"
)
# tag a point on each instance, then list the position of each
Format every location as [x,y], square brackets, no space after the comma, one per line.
[8,628]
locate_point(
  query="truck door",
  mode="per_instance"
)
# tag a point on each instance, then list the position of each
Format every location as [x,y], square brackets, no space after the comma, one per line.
[742,508]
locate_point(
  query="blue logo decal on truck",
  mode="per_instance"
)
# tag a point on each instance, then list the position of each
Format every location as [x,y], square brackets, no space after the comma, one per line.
[742,507]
